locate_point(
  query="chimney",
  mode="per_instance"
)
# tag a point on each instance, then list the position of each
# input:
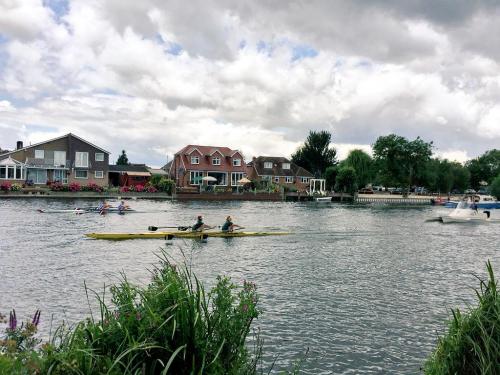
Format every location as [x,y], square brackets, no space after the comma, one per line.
[19,145]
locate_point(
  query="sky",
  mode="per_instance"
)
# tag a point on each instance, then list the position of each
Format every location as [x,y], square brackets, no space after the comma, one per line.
[152,76]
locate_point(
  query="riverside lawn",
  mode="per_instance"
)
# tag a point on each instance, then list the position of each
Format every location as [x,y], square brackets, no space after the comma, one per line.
[170,326]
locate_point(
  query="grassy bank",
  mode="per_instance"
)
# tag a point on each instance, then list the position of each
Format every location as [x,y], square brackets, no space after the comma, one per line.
[472,344]
[172,326]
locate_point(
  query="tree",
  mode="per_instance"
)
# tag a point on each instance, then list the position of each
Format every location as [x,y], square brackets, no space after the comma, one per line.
[495,187]
[122,159]
[316,154]
[346,180]
[401,161]
[484,168]
[362,164]
[330,176]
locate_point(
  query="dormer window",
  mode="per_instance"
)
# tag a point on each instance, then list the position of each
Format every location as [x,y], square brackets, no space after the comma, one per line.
[286,165]
[268,165]
[236,162]
[216,160]
[195,160]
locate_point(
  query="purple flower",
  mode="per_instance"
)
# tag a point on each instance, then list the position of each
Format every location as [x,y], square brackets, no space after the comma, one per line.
[36,318]
[12,320]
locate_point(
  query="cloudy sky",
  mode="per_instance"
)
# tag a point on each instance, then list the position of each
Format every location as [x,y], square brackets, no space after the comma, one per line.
[151,76]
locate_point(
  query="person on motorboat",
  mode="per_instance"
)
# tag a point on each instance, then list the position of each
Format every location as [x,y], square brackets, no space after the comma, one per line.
[199,226]
[229,226]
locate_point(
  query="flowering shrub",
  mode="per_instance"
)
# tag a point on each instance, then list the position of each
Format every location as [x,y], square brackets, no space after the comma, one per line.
[151,189]
[131,188]
[124,189]
[139,188]
[57,186]
[15,187]
[75,186]
[92,186]
[5,186]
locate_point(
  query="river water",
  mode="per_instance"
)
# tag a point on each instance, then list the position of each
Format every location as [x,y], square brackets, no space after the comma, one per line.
[365,289]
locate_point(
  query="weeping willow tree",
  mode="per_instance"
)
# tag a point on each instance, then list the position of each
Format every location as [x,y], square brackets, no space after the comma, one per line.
[362,164]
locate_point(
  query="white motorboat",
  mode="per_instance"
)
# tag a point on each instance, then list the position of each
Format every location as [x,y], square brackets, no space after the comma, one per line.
[323,199]
[466,213]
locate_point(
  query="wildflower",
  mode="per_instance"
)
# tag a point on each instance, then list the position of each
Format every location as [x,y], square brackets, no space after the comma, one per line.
[36,318]
[12,320]
[244,308]
[138,316]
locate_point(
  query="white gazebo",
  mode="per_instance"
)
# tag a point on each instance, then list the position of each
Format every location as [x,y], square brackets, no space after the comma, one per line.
[317,186]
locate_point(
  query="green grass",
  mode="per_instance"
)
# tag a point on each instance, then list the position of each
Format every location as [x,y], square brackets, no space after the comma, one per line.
[472,344]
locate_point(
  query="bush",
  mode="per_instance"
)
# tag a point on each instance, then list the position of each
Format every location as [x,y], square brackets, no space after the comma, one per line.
[57,186]
[5,186]
[74,187]
[92,186]
[139,188]
[170,326]
[124,189]
[155,179]
[165,185]
[151,189]
[15,187]
[472,344]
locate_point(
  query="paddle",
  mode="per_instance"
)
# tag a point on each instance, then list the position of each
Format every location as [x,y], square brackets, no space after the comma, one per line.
[181,228]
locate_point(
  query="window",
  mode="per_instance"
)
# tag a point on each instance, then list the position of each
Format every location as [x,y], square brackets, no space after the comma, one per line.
[39,154]
[289,179]
[285,165]
[268,165]
[195,160]
[235,177]
[236,162]
[277,179]
[304,180]
[3,172]
[60,175]
[81,174]
[82,160]
[99,174]
[215,160]
[38,176]
[195,177]
[99,156]
[221,178]
[59,158]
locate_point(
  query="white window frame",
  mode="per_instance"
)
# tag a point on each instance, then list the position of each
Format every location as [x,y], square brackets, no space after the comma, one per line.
[268,165]
[236,162]
[62,157]
[235,177]
[288,180]
[38,153]
[82,170]
[195,159]
[78,162]
[305,180]
[199,174]
[101,158]
[63,177]
[216,160]
[285,165]
[101,174]
[276,179]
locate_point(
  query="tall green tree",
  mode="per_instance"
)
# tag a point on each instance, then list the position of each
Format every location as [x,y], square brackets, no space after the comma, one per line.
[122,159]
[346,180]
[401,161]
[316,154]
[484,168]
[495,187]
[362,164]
[330,176]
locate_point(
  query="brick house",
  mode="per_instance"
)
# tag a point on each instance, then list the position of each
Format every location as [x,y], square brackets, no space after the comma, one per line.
[192,163]
[65,159]
[280,171]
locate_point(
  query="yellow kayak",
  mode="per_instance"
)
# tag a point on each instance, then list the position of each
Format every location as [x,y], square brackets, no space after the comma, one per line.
[180,234]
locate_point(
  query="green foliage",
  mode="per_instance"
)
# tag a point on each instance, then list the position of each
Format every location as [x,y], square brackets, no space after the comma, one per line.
[484,168]
[122,159]
[445,176]
[330,176]
[316,154]
[346,180]
[165,184]
[472,343]
[155,179]
[495,187]
[362,164]
[401,162]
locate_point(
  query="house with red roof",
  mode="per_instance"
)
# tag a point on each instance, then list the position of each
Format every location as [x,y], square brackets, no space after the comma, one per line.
[196,165]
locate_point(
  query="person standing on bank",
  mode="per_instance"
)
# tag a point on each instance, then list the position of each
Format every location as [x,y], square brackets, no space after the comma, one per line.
[229,225]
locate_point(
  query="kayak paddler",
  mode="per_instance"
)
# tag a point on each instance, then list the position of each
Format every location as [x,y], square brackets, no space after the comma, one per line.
[229,225]
[200,225]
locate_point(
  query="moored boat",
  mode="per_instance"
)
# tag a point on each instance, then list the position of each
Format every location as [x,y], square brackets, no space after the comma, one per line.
[180,234]
[485,202]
